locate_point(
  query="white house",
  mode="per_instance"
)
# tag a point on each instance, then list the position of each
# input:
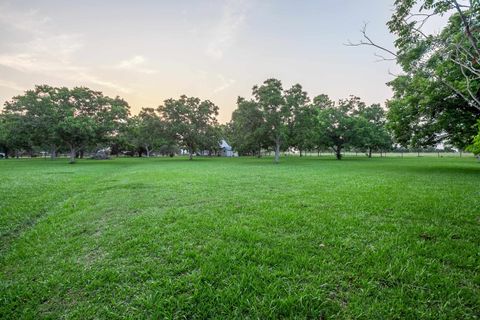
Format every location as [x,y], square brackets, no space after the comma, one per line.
[226,149]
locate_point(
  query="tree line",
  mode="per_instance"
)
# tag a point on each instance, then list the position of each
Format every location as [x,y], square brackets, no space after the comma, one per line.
[278,119]
[273,118]
[80,119]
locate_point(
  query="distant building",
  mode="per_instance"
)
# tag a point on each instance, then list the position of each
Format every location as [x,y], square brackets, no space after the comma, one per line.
[225,149]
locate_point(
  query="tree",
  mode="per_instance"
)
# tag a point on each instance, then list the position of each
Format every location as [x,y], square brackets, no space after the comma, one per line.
[76,118]
[320,103]
[276,113]
[438,97]
[421,114]
[147,131]
[17,131]
[338,126]
[371,130]
[36,116]
[302,118]
[475,146]
[457,45]
[247,128]
[88,117]
[4,141]
[189,121]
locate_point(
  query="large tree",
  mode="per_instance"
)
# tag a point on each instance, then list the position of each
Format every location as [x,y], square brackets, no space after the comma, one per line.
[76,118]
[372,132]
[339,126]
[301,123]
[146,131]
[437,98]
[276,112]
[247,128]
[88,118]
[4,140]
[189,121]
[475,146]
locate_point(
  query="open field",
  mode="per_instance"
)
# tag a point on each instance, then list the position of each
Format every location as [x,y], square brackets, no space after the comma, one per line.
[240,238]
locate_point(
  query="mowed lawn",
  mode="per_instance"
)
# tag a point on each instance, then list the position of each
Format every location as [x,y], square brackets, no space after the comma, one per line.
[240,238]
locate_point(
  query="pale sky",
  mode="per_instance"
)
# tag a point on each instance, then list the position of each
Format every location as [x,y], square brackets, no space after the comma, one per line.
[148,51]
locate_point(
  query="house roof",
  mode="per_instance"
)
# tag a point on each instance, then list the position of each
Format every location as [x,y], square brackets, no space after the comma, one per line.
[224,145]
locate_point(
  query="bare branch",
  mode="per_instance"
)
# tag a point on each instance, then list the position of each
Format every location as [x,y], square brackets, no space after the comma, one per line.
[471,98]
[393,74]
[469,89]
[382,58]
[367,41]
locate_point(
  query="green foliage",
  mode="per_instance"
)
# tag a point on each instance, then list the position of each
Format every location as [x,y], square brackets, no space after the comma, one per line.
[191,122]
[352,124]
[286,119]
[273,118]
[247,130]
[423,114]
[475,146]
[76,118]
[438,98]
[147,131]
[275,111]
[301,124]
[371,130]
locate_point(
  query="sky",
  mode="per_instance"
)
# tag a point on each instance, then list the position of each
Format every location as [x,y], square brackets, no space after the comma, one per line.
[149,51]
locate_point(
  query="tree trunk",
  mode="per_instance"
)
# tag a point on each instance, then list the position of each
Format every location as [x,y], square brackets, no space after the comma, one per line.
[73,153]
[190,154]
[338,152]
[369,152]
[277,150]
[81,153]
[148,152]
[53,152]
[301,153]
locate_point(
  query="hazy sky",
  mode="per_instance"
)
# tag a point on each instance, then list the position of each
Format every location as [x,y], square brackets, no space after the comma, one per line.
[148,51]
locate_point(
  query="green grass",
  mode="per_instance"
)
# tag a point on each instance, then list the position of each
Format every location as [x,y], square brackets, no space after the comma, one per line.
[240,238]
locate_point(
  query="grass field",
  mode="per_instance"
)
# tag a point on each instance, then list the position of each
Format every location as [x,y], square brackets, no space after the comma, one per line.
[240,238]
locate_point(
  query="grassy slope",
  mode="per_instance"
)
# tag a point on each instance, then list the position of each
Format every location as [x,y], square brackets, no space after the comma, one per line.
[225,238]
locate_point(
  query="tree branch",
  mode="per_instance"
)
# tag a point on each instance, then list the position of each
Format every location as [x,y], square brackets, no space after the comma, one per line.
[466,25]
[369,42]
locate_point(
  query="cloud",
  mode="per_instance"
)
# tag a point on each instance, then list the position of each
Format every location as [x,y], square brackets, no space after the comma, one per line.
[233,16]
[29,21]
[136,64]
[225,83]
[46,52]
[11,85]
